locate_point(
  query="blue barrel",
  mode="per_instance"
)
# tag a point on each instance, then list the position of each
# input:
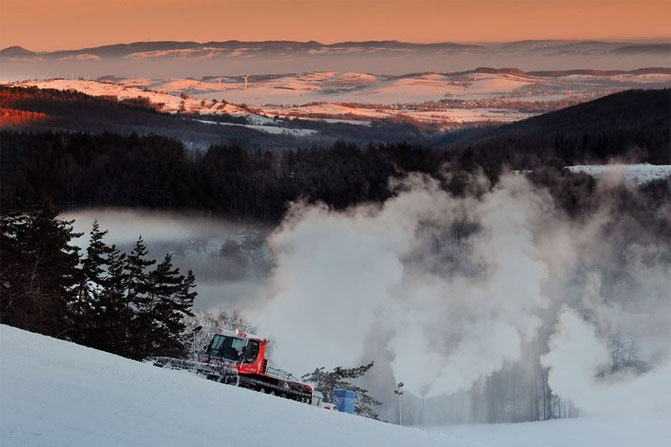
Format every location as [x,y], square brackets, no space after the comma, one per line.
[344,400]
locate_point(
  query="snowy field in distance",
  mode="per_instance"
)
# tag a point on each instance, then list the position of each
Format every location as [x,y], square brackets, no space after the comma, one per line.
[55,393]
[275,130]
[637,173]
[443,100]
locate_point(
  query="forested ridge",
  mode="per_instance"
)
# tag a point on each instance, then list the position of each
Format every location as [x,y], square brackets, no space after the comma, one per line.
[631,126]
[70,111]
[78,170]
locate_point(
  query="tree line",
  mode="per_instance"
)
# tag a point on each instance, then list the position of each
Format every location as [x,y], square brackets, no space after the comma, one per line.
[74,111]
[123,303]
[85,170]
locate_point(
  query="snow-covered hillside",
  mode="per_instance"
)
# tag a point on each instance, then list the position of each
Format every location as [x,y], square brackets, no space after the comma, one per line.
[61,394]
[444,100]
[164,101]
[55,393]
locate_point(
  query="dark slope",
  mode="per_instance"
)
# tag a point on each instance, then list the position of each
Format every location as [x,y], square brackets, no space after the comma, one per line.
[76,112]
[633,125]
[15,51]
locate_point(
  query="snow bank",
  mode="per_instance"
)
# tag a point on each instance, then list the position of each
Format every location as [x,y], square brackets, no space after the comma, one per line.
[55,393]
[585,431]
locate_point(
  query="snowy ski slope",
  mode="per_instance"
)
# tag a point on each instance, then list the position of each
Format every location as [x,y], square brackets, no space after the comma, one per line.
[55,393]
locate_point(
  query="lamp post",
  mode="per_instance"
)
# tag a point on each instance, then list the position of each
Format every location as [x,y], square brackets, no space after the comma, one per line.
[399,392]
[423,411]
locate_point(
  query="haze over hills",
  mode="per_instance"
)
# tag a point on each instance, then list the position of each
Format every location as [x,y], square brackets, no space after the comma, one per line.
[166,58]
[539,46]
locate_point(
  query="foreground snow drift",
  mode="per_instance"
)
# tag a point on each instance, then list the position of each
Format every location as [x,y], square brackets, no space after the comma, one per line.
[54,393]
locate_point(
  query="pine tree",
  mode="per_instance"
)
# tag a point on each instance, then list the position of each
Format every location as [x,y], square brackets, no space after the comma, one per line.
[166,313]
[185,295]
[88,309]
[328,381]
[12,261]
[40,277]
[137,282]
[114,315]
[160,301]
[139,331]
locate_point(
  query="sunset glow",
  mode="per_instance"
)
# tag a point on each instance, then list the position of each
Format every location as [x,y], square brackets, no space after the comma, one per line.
[47,24]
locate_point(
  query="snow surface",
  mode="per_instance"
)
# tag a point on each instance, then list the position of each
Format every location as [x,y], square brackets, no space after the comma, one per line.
[275,130]
[55,393]
[637,173]
[137,88]
[583,431]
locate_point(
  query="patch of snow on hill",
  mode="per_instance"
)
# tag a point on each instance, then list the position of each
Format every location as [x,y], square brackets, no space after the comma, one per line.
[275,130]
[637,173]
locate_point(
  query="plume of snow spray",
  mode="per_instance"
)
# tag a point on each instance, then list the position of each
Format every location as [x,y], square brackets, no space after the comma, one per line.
[374,282]
[346,281]
[577,355]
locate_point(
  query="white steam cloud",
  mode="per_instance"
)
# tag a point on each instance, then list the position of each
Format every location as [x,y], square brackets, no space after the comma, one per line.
[577,355]
[349,280]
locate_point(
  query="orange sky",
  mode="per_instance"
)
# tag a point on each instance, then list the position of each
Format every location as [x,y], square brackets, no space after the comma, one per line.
[67,24]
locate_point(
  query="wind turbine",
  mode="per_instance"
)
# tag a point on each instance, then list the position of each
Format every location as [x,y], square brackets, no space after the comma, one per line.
[220,82]
[246,81]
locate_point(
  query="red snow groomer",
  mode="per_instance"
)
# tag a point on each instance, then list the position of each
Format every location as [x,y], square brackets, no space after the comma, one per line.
[239,359]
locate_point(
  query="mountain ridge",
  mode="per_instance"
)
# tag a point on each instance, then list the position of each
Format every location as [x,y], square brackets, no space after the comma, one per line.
[111,50]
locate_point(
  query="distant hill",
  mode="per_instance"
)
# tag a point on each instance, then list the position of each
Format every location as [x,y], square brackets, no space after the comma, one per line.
[634,125]
[15,51]
[125,49]
[75,112]
[653,48]
[587,72]
[171,59]
[32,109]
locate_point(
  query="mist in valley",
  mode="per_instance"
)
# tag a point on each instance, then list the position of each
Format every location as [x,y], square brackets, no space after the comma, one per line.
[366,57]
[230,260]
